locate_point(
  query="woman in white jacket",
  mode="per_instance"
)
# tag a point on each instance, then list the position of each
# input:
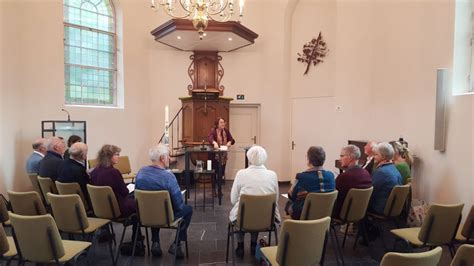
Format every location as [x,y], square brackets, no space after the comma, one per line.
[255,180]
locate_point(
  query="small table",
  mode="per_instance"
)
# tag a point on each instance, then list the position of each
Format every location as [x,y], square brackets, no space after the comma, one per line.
[187,177]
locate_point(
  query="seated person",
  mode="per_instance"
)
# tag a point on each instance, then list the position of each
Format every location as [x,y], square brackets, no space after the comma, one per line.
[354,176]
[158,177]
[254,180]
[73,169]
[51,164]
[314,179]
[71,140]
[104,174]
[39,151]
[402,159]
[384,177]
[369,151]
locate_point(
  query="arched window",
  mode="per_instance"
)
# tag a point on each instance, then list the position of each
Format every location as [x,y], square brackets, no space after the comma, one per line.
[90,54]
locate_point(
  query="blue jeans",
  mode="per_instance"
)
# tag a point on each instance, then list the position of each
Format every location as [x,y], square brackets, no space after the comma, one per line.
[186,213]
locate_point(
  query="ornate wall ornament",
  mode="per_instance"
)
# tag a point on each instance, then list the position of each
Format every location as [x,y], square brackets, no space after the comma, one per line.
[313,52]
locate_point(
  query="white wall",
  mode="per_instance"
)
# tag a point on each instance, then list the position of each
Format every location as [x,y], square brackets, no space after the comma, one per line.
[381,69]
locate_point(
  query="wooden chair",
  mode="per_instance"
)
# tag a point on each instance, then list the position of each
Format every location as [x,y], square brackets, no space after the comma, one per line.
[72,188]
[393,209]
[464,256]
[105,206]
[317,206]
[438,228]
[47,185]
[7,246]
[428,258]
[256,213]
[39,240]
[465,233]
[155,210]
[302,243]
[71,218]
[353,210]
[26,203]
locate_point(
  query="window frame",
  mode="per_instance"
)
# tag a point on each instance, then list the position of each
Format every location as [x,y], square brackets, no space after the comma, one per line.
[114,71]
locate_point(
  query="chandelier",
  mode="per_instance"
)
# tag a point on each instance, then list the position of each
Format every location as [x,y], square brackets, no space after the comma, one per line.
[200,11]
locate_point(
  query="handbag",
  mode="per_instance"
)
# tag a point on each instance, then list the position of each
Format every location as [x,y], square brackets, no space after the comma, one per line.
[418,211]
[258,253]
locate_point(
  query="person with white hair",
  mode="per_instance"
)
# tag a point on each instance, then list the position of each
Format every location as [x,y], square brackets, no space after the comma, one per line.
[157,177]
[51,164]
[384,177]
[39,151]
[73,169]
[254,180]
[369,164]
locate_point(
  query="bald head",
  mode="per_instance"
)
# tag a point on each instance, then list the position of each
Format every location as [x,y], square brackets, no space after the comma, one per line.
[39,145]
[56,144]
[78,151]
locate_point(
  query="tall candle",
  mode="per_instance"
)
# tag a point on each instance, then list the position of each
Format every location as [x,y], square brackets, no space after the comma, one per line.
[167,115]
[241,5]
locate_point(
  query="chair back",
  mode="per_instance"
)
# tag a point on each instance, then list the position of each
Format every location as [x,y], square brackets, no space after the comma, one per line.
[396,201]
[47,185]
[3,210]
[26,203]
[464,256]
[468,227]
[38,237]
[408,181]
[4,246]
[256,212]
[428,258]
[104,203]
[72,188]
[355,204]
[318,205]
[34,182]
[123,165]
[154,208]
[302,242]
[69,212]
[440,224]
[92,163]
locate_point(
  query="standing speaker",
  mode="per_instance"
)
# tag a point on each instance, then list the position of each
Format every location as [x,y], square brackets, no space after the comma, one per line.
[440,119]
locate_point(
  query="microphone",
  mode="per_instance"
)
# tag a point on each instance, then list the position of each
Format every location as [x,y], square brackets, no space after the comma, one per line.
[68,116]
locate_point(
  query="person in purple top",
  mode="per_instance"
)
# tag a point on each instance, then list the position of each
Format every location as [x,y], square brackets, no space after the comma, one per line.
[354,176]
[220,136]
[104,174]
[158,177]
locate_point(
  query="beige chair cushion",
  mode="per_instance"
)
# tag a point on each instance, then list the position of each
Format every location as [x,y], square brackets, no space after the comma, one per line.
[72,188]
[100,196]
[409,234]
[468,225]
[446,218]
[47,186]
[270,254]
[360,201]
[398,196]
[459,236]
[428,258]
[258,212]
[34,182]
[94,224]
[464,256]
[3,211]
[72,248]
[12,250]
[152,208]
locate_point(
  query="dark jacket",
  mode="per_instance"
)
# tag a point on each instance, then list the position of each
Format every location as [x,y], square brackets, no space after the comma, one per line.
[51,165]
[74,172]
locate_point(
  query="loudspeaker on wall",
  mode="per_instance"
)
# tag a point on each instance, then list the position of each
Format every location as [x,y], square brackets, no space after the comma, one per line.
[440,112]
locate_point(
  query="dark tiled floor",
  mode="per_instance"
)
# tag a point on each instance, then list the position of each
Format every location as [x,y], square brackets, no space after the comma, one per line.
[207,242]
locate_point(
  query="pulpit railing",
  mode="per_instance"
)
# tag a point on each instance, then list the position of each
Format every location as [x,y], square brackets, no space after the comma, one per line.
[174,133]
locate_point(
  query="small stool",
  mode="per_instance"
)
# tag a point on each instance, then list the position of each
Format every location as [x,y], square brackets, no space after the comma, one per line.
[203,178]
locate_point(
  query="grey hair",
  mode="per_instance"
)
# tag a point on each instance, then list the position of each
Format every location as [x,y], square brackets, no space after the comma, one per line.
[257,155]
[37,144]
[385,150]
[157,151]
[51,142]
[78,150]
[352,150]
